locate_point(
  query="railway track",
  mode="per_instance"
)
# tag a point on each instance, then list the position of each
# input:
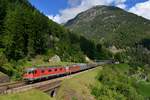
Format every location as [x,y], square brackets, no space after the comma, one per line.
[6,86]
[22,86]
[44,86]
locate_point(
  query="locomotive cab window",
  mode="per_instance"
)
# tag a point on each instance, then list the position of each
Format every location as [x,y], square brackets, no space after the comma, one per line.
[61,69]
[42,71]
[30,72]
[35,72]
[49,70]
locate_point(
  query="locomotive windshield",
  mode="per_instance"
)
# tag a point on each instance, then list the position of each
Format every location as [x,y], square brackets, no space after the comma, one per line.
[29,72]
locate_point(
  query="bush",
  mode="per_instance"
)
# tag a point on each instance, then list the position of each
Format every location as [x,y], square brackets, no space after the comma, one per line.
[115,86]
[105,93]
[121,57]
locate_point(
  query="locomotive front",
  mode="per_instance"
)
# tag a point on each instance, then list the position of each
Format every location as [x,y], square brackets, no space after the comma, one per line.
[29,74]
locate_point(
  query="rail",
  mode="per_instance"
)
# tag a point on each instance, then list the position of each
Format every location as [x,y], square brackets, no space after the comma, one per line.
[17,87]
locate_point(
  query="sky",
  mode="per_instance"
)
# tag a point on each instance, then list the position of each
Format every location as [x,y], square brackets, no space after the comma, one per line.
[61,11]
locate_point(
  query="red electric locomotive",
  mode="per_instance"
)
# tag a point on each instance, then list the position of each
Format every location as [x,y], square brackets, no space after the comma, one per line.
[32,74]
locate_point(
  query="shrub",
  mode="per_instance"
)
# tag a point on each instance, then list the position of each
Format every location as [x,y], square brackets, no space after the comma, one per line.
[115,86]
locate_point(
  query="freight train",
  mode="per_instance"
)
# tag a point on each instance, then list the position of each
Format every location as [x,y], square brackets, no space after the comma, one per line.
[35,74]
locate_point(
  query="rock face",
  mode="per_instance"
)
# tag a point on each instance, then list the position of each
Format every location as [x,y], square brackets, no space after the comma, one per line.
[55,58]
[4,78]
[87,59]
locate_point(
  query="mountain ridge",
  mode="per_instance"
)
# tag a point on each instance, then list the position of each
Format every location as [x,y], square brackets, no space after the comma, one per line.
[105,23]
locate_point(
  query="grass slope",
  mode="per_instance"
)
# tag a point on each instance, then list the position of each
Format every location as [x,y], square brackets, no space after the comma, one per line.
[78,87]
[29,95]
[144,88]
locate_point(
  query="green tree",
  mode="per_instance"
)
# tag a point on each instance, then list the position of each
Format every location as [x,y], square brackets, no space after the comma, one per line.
[14,37]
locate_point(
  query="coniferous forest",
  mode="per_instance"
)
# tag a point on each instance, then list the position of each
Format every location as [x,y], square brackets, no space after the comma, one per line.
[25,33]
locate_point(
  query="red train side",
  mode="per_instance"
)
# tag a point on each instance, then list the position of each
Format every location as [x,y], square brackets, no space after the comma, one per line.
[32,74]
[74,68]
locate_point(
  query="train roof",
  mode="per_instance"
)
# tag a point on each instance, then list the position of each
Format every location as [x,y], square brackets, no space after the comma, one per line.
[42,67]
[30,69]
[45,67]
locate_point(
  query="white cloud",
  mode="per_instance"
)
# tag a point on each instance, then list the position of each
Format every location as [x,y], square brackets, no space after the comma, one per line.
[123,6]
[120,1]
[73,3]
[54,18]
[78,6]
[142,9]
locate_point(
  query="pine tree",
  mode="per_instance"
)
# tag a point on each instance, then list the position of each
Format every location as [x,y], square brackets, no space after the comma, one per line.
[14,37]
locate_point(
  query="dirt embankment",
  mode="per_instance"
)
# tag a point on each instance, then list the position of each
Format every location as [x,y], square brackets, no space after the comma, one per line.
[4,78]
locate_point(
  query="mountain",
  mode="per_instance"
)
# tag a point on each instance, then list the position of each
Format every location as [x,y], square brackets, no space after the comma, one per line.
[110,26]
[26,33]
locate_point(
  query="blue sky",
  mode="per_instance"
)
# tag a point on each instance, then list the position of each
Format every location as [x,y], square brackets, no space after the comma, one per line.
[49,6]
[64,10]
[131,3]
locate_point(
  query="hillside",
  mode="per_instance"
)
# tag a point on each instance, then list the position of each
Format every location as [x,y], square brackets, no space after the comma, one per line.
[78,87]
[109,82]
[26,33]
[111,26]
